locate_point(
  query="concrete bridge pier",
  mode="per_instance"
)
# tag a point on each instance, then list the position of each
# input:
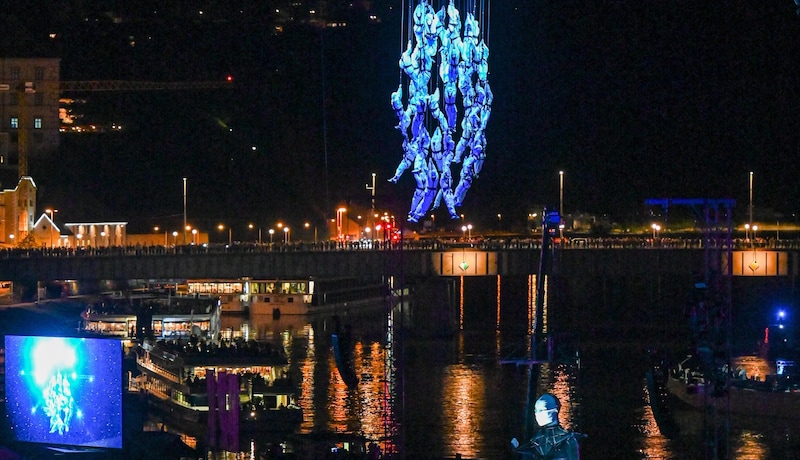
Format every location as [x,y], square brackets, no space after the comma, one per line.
[434,310]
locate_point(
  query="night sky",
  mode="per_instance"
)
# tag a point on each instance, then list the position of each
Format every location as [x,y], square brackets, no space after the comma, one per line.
[631,99]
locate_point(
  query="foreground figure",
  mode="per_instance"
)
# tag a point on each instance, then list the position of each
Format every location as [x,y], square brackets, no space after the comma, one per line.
[552,441]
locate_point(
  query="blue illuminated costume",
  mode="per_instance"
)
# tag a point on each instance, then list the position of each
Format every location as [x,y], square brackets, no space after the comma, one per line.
[462,69]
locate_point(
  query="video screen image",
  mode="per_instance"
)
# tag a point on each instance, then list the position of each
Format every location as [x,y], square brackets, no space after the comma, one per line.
[64,390]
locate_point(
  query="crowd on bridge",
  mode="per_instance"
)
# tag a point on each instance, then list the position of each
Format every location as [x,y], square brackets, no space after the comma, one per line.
[424,243]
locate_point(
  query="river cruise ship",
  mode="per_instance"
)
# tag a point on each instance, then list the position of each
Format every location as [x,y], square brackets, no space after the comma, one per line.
[174,377]
[288,296]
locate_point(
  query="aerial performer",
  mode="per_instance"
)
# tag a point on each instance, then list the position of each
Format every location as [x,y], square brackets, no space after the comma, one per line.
[551,441]
[438,43]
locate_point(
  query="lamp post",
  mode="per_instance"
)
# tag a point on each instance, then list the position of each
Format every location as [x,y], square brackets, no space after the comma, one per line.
[271,232]
[339,218]
[286,235]
[175,238]
[194,236]
[750,220]
[656,228]
[464,232]
[52,217]
[185,228]
[747,233]
[469,231]
[561,204]
[372,190]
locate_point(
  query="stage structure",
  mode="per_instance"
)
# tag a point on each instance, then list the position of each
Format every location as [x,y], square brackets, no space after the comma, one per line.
[444,70]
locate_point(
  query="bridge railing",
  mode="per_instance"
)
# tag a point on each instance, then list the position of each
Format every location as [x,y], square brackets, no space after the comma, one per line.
[426,244]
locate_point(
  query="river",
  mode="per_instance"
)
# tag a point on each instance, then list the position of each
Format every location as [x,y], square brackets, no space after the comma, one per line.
[451,393]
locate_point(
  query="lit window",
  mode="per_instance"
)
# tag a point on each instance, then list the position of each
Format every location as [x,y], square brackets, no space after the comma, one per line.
[14,122]
[37,123]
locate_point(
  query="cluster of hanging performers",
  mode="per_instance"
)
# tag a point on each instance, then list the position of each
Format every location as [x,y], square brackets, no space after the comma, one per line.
[440,40]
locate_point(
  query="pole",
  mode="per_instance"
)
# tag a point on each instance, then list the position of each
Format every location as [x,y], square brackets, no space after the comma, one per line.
[561,206]
[751,199]
[184,210]
[372,189]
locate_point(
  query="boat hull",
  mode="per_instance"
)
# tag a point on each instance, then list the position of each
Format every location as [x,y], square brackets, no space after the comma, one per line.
[739,400]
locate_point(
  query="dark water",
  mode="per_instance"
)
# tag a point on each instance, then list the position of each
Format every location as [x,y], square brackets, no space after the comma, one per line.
[450,394]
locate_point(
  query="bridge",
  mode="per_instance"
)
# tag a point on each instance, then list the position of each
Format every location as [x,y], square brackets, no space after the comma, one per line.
[419,260]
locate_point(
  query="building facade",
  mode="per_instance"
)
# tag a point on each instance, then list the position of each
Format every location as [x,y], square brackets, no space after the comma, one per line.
[17,211]
[29,123]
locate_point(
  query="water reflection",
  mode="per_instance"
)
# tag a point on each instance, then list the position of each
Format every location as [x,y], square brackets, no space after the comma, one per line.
[442,395]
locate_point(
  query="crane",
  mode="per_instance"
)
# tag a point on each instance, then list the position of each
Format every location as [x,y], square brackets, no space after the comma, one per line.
[25,89]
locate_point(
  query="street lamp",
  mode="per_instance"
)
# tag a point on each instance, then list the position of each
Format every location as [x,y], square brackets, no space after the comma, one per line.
[286,235]
[747,232]
[464,232]
[755,227]
[656,228]
[750,220]
[561,204]
[175,238]
[185,227]
[194,236]
[339,218]
[372,189]
[271,232]
[52,217]
[221,227]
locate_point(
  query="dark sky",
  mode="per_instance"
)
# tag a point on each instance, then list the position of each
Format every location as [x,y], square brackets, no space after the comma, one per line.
[631,99]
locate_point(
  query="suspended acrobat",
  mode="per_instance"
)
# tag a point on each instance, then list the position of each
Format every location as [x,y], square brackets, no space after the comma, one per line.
[440,44]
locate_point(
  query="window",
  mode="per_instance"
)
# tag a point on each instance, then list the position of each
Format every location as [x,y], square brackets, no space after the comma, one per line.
[14,73]
[38,73]
[38,99]
[37,123]
[290,300]
[266,299]
[13,98]
[14,123]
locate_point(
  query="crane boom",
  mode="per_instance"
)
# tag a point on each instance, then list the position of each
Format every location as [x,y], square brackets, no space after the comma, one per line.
[124,85]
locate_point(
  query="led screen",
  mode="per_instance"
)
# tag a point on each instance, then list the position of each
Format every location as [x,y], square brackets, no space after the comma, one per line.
[64,390]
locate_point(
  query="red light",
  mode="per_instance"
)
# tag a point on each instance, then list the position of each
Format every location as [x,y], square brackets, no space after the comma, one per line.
[229,78]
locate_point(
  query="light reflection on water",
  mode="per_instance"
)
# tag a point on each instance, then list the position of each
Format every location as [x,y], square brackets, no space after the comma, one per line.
[456,398]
